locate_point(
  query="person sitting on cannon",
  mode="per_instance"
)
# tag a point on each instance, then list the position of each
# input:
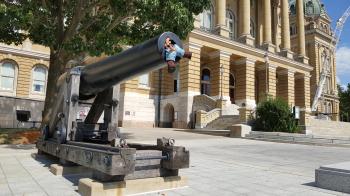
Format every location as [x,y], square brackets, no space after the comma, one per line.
[173,53]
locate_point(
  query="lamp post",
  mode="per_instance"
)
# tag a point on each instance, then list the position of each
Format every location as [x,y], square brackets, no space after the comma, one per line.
[221,84]
[266,57]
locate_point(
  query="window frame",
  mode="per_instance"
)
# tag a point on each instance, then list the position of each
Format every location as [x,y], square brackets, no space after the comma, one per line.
[144,86]
[206,83]
[232,31]
[9,92]
[37,94]
[212,19]
[252,28]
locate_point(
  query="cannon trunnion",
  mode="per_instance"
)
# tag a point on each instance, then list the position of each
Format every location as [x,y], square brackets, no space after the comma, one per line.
[99,146]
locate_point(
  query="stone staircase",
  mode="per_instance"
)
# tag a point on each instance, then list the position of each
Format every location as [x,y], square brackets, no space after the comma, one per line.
[299,138]
[328,127]
[223,122]
[214,114]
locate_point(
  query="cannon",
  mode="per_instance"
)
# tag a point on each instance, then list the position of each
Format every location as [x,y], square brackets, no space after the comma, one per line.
[99,146]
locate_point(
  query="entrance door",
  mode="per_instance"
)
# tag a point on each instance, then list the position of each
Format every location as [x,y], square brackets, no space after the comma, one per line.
[232,88]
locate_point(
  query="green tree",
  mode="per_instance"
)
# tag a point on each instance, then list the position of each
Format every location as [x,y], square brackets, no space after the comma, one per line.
[75,28]
[274,115]
[344,106]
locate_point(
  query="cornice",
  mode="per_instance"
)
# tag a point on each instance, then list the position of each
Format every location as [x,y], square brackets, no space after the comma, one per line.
[260,53]
[26,53]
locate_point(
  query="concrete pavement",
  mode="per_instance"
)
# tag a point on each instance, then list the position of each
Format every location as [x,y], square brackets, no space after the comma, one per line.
[219,166]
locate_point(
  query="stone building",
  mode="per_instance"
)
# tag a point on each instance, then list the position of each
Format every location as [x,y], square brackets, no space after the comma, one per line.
[23,72]
[242,51]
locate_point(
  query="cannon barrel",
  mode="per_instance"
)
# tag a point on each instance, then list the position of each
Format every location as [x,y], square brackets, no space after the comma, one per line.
[140,59]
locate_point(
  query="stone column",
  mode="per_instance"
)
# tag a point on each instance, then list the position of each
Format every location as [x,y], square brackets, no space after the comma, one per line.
[301,32]
[271,82]
[189,85]
[285,30]
[267,82]
[225,76]
[275,36]
[285,86]
[197,22]
[220,81]
[220,11]
[190,71]
[267,33]
[245,87]
[302,98]
[244,23]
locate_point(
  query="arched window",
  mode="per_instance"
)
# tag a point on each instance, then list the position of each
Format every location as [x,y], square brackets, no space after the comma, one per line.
[144,80]
[205,82]
[39,79]
[232,87]
[8,75]
[330,108]
[231,23]
[309,8]
[292,9]
[252,28]
[206,18]
[176,81]
[293,29]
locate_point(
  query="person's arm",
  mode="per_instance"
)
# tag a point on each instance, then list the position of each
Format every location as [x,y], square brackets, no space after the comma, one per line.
[172,48]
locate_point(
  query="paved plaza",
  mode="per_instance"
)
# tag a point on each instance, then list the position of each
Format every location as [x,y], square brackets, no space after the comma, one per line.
[219,166]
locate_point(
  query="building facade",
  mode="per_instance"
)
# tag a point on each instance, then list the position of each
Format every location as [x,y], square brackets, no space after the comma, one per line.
[23,72]
[243,50]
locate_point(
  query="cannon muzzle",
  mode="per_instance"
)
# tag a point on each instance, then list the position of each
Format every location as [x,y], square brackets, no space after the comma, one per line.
[140,59]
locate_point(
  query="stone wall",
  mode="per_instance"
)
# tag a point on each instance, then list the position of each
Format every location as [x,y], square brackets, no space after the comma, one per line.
[8,107]
[327,127]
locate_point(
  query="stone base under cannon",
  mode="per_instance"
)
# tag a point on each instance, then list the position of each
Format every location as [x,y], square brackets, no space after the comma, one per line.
[136,161]
[94,144]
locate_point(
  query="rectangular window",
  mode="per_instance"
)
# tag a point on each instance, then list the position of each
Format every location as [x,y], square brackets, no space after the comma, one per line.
[175,86]
[38,86]
[144,80]
[6,83]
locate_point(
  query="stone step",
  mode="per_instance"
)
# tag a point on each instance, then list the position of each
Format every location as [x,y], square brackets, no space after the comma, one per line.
[207,131]
[334,177]
[298,138]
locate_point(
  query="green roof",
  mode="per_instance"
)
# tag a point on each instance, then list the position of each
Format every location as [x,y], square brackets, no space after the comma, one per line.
[311,7]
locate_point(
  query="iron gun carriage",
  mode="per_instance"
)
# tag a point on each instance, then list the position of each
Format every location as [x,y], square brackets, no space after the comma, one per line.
[98,145]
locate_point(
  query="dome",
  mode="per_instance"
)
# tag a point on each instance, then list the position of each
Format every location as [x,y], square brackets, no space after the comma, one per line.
[311,7]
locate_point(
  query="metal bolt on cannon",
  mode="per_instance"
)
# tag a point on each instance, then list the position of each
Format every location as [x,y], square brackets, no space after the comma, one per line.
[98,145]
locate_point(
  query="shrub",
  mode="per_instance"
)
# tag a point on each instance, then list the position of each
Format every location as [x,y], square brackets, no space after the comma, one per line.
[274,115]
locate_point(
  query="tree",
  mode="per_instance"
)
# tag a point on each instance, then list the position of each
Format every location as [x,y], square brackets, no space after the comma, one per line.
[344,106]
[75,28]
[274,115]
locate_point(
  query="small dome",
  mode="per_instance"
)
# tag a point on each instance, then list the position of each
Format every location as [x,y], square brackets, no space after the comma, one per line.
[311,7]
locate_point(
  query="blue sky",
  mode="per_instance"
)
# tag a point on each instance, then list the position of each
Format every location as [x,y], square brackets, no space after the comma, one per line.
[335,9]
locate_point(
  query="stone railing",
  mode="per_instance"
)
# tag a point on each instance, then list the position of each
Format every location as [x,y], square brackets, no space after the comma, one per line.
[328,127]
[204,102]
[203,117]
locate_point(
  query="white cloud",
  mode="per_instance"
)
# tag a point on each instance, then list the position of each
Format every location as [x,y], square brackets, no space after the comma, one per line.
[343,60]
[343,65]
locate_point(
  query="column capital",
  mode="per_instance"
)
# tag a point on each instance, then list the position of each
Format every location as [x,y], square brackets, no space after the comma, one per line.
[194,46]
[287,53]
[244,60]
[272,66]
[288,72]
[225,54]
[307,75]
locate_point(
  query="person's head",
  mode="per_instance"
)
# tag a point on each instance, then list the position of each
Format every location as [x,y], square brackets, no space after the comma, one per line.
[167,41]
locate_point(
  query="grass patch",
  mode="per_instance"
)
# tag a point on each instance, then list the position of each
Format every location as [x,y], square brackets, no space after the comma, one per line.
[19,136]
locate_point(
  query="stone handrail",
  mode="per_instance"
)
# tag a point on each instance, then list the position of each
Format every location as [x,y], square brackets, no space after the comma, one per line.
[204,102]
[203,117]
